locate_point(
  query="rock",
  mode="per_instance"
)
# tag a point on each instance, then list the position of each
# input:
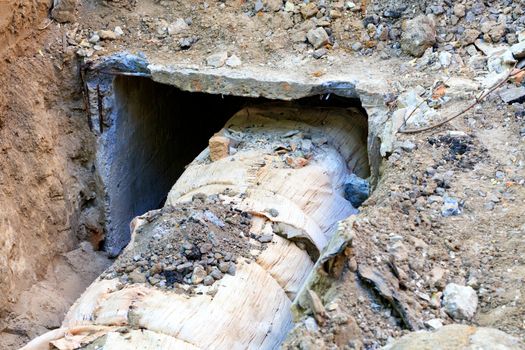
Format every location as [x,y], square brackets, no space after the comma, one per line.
[309,10]
[137,277]
[216,274]
[317,37]
[450,207]
[232,269]
[198,275]
[219,146]
[518,50]
[265,238]
[233,61]
[513,94]
[459,10]
[177,27]
[205,248]
[94,39]
[437,277]
[273,212]
[107,34]
[224,266]
[289,6]
[118,31]
[64,10]
[469,36]
[217,60]
[320,53]
[357,46]
[208,281]
[357,190]
[419,35]
[460,302]
[274,5]
[434,324]
[445,58]
[456,337]
[258,6]
[185,43]
[408,146]
[497,32]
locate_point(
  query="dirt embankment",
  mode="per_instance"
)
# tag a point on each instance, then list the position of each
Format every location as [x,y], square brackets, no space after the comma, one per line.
[45,162]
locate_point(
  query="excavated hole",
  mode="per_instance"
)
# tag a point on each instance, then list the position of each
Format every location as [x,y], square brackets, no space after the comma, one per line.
[158,130]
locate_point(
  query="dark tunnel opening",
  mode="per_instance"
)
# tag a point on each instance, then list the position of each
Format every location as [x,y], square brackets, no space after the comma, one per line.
[158,130]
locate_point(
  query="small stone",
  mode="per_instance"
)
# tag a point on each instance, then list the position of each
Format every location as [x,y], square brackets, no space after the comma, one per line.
[217,60]
[459,10]
[233,61]
[408,146]
[205,248]
[445,58]
[258,6]
[309,10]
[107,34]
[63,11]
[357,46]
[357,190]
[450,207]
[185,43]
[470,36]
[153,281]
[335,14]
[434,324]
[219,146]
[265,238]
[460,302]
[198,275]
[224,266]
[232,269]
[419,35]
[317,37]
[208,281]
[216,274]
[177,27]
[518,50]
[274,5]
[513,94]
[273,212]
[137,277]
[289,6]
[94,39]
[119,31]
[320,53]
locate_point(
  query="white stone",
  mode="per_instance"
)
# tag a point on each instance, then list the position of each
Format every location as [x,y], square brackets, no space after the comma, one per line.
[460,302]
[521,36]
[94,39]
[289,6]
[118,31]
[217,60]
[178,26]
[317,37]
[445,58]
[435,323]
[518,50]
[233,61]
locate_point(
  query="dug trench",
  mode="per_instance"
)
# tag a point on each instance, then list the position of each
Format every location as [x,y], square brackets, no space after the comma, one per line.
[249,215]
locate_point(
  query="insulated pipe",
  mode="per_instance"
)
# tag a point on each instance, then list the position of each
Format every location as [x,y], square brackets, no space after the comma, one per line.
[285,166]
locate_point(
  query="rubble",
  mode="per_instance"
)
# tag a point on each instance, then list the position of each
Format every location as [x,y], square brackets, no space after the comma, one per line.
[191,245]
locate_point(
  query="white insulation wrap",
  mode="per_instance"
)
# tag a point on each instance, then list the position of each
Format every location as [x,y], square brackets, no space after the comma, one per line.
[299,201]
